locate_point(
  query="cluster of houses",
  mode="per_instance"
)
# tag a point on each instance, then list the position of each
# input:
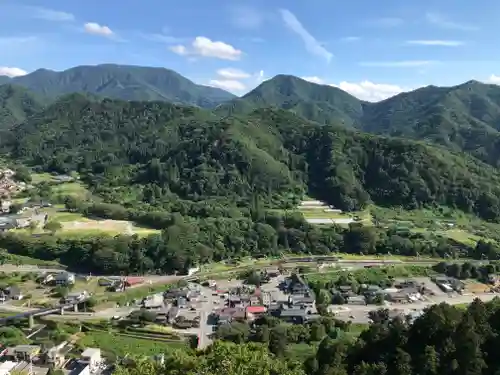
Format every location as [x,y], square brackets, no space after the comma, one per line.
[176,307]
[62,278]
[407,291]
[243,304]
[28,213]
[32,359]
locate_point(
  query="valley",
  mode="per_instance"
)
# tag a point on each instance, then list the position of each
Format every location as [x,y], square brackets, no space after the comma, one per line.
[152,215]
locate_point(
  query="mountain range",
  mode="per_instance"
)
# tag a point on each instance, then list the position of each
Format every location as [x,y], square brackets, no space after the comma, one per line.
[122,82]
[465,117]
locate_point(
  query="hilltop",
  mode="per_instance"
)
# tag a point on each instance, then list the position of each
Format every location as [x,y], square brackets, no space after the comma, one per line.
[122,82]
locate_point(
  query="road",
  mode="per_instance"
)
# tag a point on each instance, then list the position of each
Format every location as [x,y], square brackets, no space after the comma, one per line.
[359,314]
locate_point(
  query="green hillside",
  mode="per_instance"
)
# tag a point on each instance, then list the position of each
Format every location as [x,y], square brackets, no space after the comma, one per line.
[123,82]
[463,118]
[320,103]
[159,151]
[16,104]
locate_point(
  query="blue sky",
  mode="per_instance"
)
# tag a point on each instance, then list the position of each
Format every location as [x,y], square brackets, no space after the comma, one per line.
[370,48]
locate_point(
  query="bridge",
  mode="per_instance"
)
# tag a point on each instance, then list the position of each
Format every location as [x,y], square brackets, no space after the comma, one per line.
[42,312]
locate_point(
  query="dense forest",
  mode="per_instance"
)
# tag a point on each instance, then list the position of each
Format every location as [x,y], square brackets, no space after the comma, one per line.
[157,153]
[187,241]
[444,341]
[463,118]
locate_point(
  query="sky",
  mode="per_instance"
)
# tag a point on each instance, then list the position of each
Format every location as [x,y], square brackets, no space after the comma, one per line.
[372,49]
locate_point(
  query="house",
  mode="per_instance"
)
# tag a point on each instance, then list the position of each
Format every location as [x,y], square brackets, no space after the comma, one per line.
[65,278]
[254,311]
[398,297]
[265,298]
[75,297]
[356,300]
[301,300]
[372,289]
[45,278]
[5,206]
[91,357]
[272,272]
[23,352]
[14,292]
[296,316]
[345,289]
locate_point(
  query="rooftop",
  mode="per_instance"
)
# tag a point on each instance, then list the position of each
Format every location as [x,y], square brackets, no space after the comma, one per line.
[91,352]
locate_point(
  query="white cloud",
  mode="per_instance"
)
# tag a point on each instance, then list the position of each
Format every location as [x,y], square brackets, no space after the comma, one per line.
[205,47]
[228,84]
[312,45]
[494,79]
[245,17]
[364,90]
[180,50]
[230,73]
[441,21]
[12,72]
[50,14]
[436,42]
[369,91]
[96,29]
[398,64]
[314,79]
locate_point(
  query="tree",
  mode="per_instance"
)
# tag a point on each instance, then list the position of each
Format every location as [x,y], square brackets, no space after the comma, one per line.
[32,226]
[53,226]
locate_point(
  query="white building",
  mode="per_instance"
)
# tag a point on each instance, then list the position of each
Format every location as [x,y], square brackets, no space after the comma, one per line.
[65,278]
[92,358]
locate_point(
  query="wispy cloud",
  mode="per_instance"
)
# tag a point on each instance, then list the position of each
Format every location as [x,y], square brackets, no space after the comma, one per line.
[50,14]
[436,42]
[312,45]
[386,22]
[398,64]
[441,21]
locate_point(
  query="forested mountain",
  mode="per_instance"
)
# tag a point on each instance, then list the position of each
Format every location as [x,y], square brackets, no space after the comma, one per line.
[122,82]
[319,103]
[17,103]
[464,117]
[160,151]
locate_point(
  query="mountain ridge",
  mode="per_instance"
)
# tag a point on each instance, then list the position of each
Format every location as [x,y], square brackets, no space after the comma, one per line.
[126,82]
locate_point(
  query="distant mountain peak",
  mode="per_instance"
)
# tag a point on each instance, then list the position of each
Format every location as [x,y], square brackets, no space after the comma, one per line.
[126,82]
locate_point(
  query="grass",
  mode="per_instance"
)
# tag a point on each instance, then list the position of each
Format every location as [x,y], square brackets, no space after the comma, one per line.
[37,178]
[372,275]
[115,345]
[24,260]
[70,188]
